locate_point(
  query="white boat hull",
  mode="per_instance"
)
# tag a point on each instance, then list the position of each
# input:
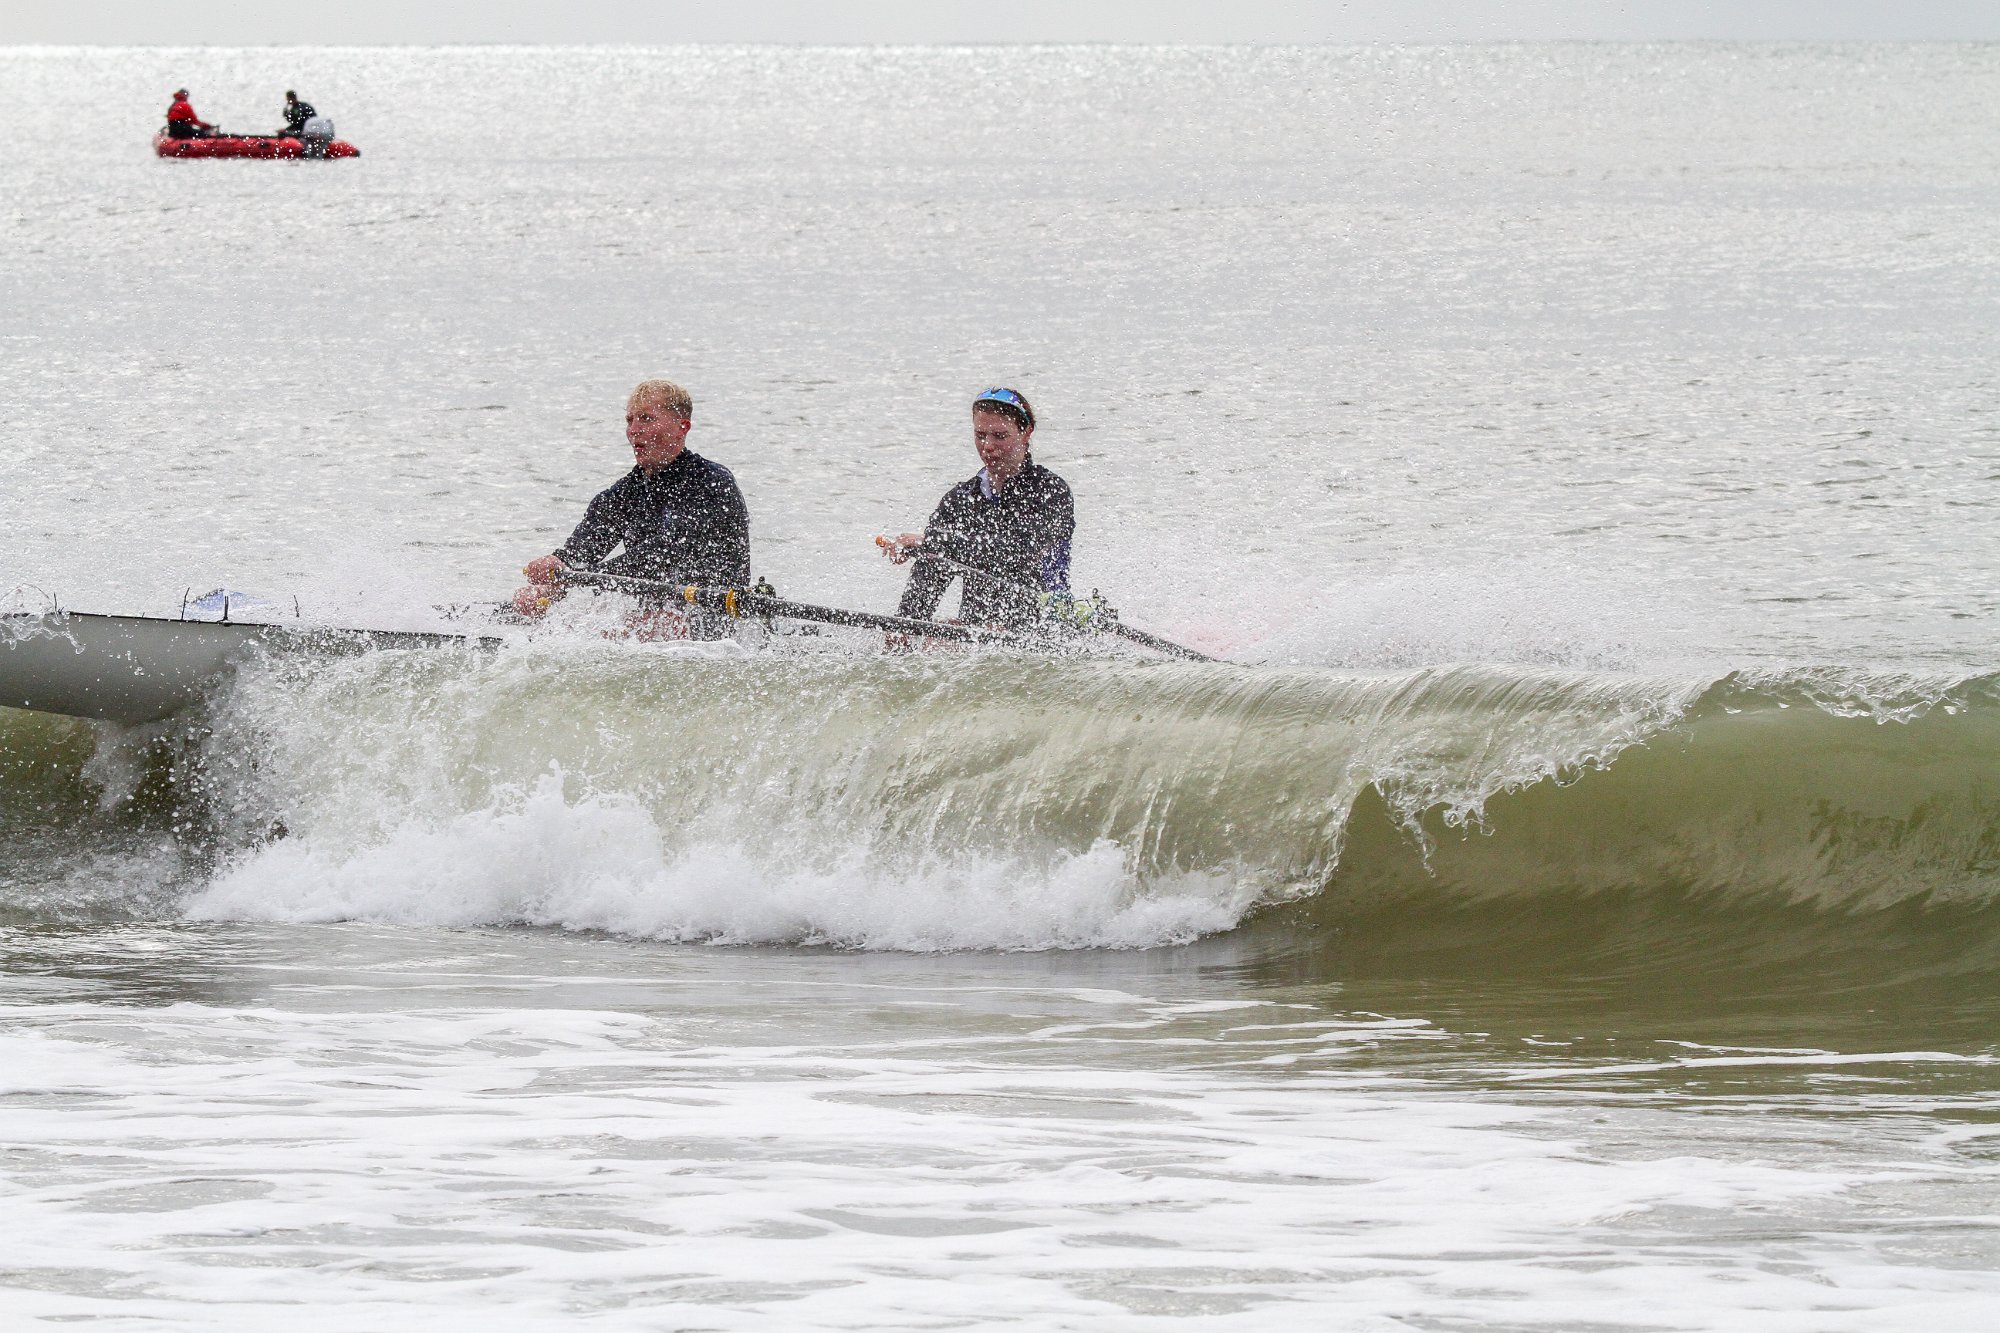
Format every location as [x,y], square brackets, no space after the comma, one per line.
[143,668]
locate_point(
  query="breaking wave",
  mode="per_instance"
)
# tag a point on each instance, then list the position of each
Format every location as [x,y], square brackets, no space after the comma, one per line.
[1007,802]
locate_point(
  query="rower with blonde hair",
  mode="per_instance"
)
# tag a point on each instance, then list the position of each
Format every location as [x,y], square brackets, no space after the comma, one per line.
[676,518]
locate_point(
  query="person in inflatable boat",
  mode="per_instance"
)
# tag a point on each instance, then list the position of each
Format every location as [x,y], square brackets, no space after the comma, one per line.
[183,123]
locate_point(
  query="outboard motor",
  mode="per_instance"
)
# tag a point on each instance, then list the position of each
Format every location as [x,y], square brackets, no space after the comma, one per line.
[316,134]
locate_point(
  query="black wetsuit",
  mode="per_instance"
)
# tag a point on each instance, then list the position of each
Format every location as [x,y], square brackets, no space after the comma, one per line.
[296,116]
[686,523]
[1021,536]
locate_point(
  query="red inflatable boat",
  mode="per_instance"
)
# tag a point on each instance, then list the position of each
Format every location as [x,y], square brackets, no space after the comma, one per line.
[244,145]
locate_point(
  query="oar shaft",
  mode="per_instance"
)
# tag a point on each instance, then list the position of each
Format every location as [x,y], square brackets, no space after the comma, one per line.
[1158,644]
[737,603]
[733,602]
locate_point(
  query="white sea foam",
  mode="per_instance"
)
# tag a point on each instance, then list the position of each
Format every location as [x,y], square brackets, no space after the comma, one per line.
[535,1167]
[599,863]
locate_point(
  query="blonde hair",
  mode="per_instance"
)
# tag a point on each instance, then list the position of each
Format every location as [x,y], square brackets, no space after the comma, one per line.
[666,394]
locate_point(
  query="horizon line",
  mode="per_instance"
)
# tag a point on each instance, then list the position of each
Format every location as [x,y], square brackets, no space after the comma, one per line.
[1015,45]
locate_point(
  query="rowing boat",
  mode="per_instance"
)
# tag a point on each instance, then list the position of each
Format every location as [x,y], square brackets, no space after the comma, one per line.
[143,668]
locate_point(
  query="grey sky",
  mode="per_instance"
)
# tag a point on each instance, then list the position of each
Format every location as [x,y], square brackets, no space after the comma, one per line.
[366,22]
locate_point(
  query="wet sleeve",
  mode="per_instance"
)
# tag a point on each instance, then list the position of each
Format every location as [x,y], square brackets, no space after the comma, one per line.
[730,542]
[928,580]
[594,538]
[1054,568]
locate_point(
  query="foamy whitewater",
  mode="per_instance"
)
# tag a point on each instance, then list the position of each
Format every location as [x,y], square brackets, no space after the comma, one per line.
[1573,904]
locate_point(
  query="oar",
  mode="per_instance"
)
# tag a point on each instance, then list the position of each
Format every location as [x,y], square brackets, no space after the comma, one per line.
[1156,643]
[735,602]
[1111,625]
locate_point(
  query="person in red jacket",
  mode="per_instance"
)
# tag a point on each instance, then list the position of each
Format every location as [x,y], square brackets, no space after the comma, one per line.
[183,123]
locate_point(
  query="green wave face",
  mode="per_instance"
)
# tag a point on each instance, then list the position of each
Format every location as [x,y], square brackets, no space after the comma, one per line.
[1468,820]
[1758,794]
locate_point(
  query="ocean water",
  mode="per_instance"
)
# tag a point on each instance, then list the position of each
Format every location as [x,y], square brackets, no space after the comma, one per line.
[1574,904]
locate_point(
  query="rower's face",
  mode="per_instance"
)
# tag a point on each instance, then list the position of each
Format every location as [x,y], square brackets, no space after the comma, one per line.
[655,432]
[1002,445]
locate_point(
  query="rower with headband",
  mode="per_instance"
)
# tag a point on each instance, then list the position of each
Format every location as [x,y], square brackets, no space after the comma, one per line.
[1006,531]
